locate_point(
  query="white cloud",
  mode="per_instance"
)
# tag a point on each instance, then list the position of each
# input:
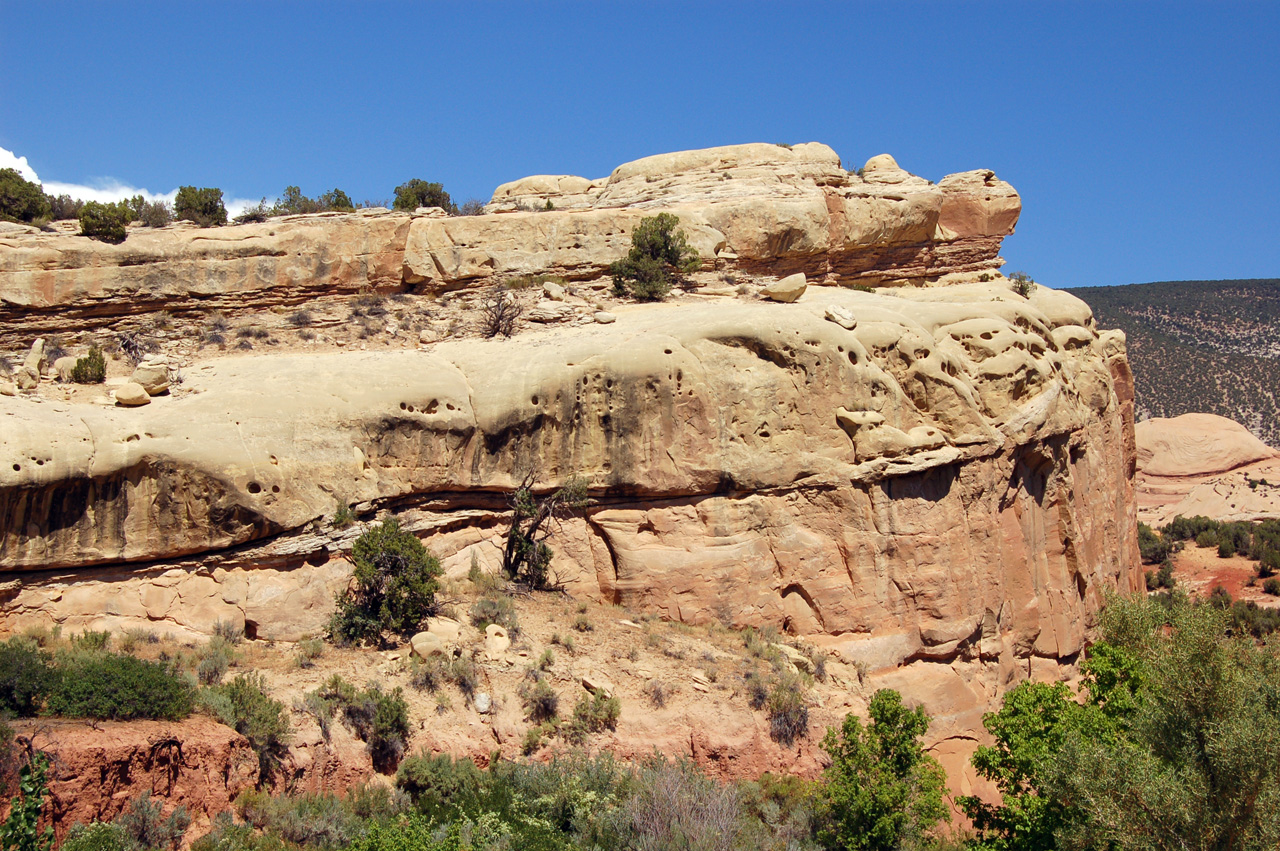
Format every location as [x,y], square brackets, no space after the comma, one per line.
[106,189]
[9,160]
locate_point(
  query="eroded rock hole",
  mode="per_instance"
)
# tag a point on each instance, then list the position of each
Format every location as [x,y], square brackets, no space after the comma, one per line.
[254,487]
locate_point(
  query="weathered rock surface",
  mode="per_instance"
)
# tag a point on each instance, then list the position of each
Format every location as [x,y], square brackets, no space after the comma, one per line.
[1203,464]
[786,290]
[762,208]
[945,481]
[132,395]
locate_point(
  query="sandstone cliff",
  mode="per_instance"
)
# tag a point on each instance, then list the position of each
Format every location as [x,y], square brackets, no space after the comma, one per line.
[932,482]
[759,208]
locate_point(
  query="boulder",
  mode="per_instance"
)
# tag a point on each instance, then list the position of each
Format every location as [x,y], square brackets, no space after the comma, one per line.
[152,375]
[64,366]
[447,630]
[553,291]
[796,658]
[34,360]
[597,683]
[550,311]
[8,389]
[496,640]
[132,395]
[428,335]
[26,378]
[426,644]
[604,317]
[786,290]
[482,702]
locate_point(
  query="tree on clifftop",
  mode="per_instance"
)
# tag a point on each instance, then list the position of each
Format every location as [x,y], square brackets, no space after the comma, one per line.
[660,253]
[202,206]
[419,193]
[20,199]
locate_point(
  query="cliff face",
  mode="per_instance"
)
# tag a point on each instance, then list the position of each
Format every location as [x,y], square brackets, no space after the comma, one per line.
[934,482]
[757,208]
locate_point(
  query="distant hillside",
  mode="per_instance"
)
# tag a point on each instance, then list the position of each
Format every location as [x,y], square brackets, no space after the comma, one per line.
[1210,346]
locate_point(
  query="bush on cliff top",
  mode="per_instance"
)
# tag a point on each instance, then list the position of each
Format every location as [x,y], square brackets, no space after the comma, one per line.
[419,193]
[20,199]
[111,687]
[200,205]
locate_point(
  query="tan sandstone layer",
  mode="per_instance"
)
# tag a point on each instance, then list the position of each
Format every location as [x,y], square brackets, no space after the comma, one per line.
[1203,464]
[760,208]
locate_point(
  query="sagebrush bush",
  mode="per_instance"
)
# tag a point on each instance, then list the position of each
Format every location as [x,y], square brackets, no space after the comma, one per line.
[99,836]
[495,609]
[379,719]
[593,713]
[788,713]
[156,214]
[393,587]
[90,369]
[104,222]
[321,821]
[145,824]
[214,660]
[113,687]
[200,205]
[439,782]
[660,254]
[244,705]
[541,702]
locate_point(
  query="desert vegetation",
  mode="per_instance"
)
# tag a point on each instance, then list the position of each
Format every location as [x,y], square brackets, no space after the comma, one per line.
[659,255]
[1206,346]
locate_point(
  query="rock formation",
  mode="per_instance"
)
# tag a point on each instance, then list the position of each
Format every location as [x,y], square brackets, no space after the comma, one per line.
[760,208]
[932,482]
[1203,464]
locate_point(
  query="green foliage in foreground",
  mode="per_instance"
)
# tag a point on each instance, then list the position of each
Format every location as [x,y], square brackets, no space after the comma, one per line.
[1176,745]
[660,253]
[881,791]
[115,687]
[21,831]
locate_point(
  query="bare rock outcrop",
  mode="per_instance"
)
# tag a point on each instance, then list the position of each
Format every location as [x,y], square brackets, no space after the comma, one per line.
[765,209]
[1203,464]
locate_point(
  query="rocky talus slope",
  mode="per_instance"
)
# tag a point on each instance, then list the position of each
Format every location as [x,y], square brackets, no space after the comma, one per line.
[932,483]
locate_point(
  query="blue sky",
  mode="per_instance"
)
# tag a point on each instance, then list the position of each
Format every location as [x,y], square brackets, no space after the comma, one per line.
[1143,137]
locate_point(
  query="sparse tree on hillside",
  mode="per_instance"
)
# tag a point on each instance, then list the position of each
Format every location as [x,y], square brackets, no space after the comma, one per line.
[659,254]
[527,556]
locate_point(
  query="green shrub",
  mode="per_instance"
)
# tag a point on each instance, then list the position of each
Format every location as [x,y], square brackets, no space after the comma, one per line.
[144,824]
[244,706]
[439,784]
[90,369]
[788,714]
[1152,545]
[343,517]
[156,214]
[393,587]
[112,687]
[378,718]
[214,660]
[20,199]
[203,206]
[322,821]
[226,835]
[1272,587]
[494,609]
[593,713]
[91,641]
[419,193]
[98,836]
[309,650]
[26,677]
[541,702]
[104,222]
[881,792]
[1022,284]
[659,254]
[526,555]
[21,830]
[1162,578]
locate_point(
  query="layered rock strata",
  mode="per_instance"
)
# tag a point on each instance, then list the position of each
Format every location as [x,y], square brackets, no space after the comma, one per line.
[764,209]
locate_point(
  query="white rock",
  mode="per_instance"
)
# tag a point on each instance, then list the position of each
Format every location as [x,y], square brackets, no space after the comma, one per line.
[63,366]
[549,311]
[132,395]
[446,629]
[604,317]
[788,289]
[428,335]
[597,683]
[553,291]
[424,645]
[152,375]
[483,702]
[842,316]
[496,639]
